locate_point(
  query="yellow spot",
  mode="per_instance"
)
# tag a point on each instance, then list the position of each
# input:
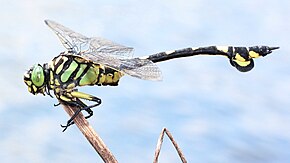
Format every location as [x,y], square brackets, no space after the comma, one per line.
[68,95]
[26,75]
[254,54]
[102,79]
[223,48]
[81,95]
[96,69]
[169,52]
[102,67]
[51,78]
[56,82]
[117,76]
[34,88]
[71,85]
[80,60]
[28,83]
[243,64]
[239,58]
[29,89]
[57,60]
[50,65]
[109,78]
[60,67]
[64,98]
[57,90]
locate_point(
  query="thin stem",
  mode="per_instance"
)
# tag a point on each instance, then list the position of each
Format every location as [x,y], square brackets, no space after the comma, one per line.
[91,135]
[159,144]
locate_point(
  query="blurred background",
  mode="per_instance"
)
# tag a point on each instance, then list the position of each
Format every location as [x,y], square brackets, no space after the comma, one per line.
[215,113]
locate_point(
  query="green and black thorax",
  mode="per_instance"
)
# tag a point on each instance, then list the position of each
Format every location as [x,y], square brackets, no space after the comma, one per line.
[68,71]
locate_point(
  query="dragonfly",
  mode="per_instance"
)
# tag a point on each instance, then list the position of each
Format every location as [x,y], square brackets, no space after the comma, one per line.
[95,61]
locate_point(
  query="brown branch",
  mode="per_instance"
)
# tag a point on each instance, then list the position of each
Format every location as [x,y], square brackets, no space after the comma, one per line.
[159,144]
[91,135]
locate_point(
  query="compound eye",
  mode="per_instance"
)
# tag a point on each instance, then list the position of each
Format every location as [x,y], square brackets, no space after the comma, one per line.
[37,75]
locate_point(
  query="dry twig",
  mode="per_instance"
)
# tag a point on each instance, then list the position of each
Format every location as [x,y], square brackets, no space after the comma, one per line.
[91,135]
[159,144]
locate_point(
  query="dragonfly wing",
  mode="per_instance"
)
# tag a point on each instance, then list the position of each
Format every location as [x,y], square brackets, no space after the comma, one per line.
[136,67]
[106,47]
[71,40]
[141,68]
[106,52]
[78,43]
[118,57]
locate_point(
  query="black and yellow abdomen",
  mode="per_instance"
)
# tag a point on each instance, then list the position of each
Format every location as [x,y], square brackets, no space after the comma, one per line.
[69,71]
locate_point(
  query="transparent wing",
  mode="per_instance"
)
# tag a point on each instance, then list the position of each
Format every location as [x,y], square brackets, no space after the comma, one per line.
[77,42]
[105,52]
[141,68]
[108,48]
[71,40]
[136,67]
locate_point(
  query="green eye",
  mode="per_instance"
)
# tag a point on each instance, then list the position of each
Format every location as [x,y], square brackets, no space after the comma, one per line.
[37,76]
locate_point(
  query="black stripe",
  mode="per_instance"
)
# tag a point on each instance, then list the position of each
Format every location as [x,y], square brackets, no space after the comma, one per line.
[64,68]
[84,72]
[74,73]
[101,71]
[66,65]
[230,52]
[242,51]
[56,65]
[187,52]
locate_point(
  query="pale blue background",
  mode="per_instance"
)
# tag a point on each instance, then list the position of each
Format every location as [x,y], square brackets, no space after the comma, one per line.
[215,113]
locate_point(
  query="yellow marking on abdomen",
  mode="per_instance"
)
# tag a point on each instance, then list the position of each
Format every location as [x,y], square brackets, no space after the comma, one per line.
[242,63]
[194,48]
[169,52]
[117,76]
[239,58]
[102,78]
[254,54]
[109,78]
[223,48]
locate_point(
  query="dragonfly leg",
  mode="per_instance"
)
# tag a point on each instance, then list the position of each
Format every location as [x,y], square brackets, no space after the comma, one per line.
[55,105]
[78,96]
[82,107]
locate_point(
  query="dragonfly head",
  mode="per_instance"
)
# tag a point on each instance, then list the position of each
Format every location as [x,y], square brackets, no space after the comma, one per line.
[35,79]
